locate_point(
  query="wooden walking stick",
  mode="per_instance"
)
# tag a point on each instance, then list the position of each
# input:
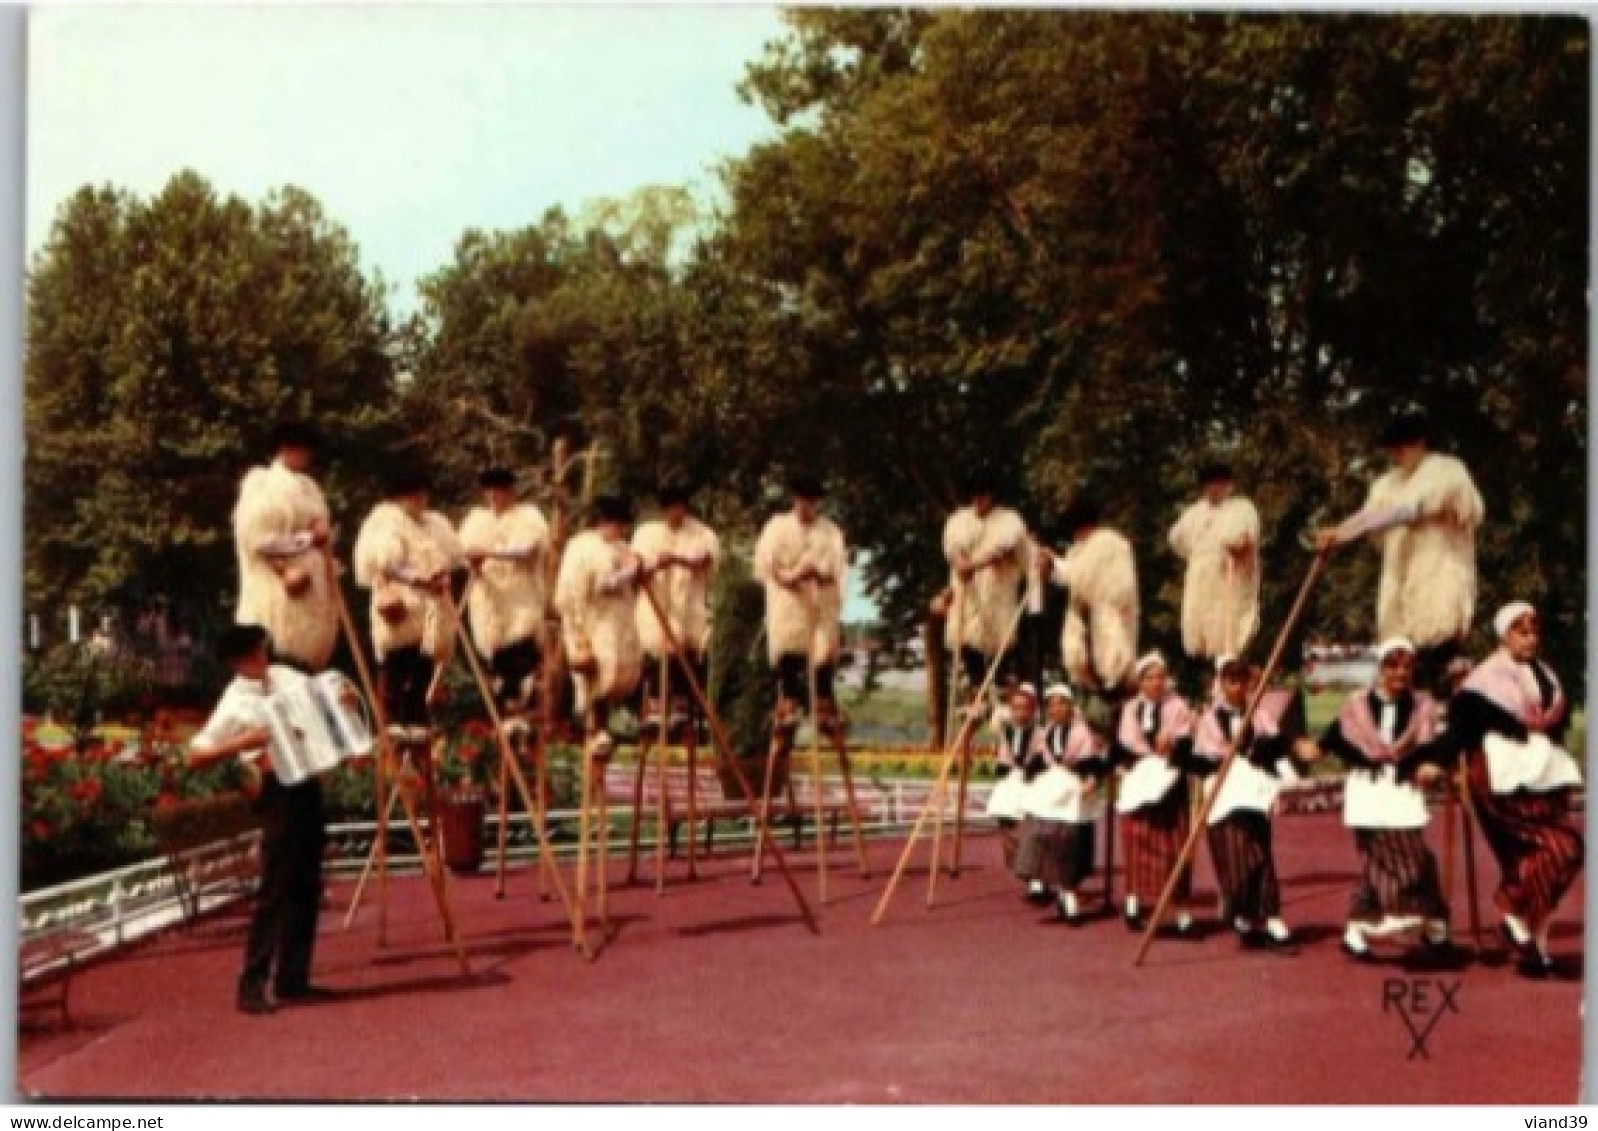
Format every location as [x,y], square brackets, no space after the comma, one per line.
[1467,816]
[724,747]
[510,767]
[1197,829]
[936,799]
[815,743]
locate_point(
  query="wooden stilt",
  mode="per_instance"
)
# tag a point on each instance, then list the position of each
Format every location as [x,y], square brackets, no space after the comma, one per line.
[937,798]
[502,847]
[842,745]
[693,795]
[725,748]
[385,758]
[660,774]
[1467,816]
[634,826]
[773,753]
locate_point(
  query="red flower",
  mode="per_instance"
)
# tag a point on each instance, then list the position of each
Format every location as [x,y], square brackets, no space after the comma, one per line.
[87,791]
[165,800]
[41,830]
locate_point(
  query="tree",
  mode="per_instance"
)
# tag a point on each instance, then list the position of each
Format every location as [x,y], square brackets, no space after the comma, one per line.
[166,337]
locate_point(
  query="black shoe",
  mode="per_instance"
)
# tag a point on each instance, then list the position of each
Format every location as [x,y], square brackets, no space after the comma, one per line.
[306,995]
[1534,967]
[1251,940]
[255,1003]
[1063,916]
[1133,922]
[1037,896]
[1289,945]
[1439,957]
[1524,953]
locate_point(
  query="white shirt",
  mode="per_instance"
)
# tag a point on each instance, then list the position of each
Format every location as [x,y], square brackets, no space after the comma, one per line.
[243,706]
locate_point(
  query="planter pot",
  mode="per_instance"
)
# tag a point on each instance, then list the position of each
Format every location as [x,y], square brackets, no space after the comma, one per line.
[461,814]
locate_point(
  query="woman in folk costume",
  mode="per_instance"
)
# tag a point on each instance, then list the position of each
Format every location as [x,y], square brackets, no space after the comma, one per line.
[1153,738]
[1383,735]
[281,529]
[681,554]
[1219,538]
[1099,639]
[801,558]
[506,543]
[1062,804]
[1509,722]
[1020,740]
[989,556]
[1239,831]
[1423,513]
[596,595]
[405,554]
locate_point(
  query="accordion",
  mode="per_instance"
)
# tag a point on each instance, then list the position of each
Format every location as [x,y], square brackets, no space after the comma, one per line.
[313,729]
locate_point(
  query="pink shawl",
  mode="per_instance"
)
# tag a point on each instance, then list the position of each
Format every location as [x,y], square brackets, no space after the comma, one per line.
[1175,718]
[1513,687]
[1364,732]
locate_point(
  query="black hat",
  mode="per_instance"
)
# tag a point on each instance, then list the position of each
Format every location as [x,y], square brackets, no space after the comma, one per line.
[980,481]
[613,508]
[805,486]
[675,492]
[501,478]
[1405,428]
[238,641]
[294,434]
[1215,471]
[405,480]
[1083,511]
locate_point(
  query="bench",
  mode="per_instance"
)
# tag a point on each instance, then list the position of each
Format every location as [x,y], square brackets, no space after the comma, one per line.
[46,962]
[209,845]
[711,804]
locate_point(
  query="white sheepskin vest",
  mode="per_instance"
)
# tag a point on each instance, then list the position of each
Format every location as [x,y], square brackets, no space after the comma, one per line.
[806,619]
[1221,593]
[391,540]
[1103,609]
[275,503]
[982,611]
[682,593]
[596,621]
[509,598]
[1428,585]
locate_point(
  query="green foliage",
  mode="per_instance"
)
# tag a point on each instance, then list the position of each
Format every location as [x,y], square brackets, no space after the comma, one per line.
[79,687]
[741,686]
[165,338]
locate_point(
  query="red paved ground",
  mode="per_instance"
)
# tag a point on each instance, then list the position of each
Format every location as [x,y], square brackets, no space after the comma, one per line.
[717,993]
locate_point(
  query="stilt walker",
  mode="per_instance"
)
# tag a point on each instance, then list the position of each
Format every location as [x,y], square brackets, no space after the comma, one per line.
[680,554]
[404,554]
[596,594]
[989,553]
[803,562]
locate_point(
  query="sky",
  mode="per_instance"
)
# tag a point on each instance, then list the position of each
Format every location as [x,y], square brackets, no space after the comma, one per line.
[409,124]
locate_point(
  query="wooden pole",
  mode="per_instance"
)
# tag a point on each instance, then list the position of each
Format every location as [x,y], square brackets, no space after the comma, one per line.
[660,773]
[815,745]
[724,746]
[510,766]
[936,799]
[1269,673]
[1467,815]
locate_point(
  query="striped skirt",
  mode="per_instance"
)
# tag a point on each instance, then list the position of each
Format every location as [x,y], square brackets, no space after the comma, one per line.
[1539,855]
[1154,836]
[1057,853]
[1240,845]
[1398,877]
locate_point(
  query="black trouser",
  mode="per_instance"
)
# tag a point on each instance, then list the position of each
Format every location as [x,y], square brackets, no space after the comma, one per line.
[681,666]
[793,679]
[283,929]
[974,664]
[511,666]
[406,674]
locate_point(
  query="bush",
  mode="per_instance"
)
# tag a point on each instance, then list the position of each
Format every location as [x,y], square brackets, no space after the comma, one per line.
[741,686]
[80,687]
